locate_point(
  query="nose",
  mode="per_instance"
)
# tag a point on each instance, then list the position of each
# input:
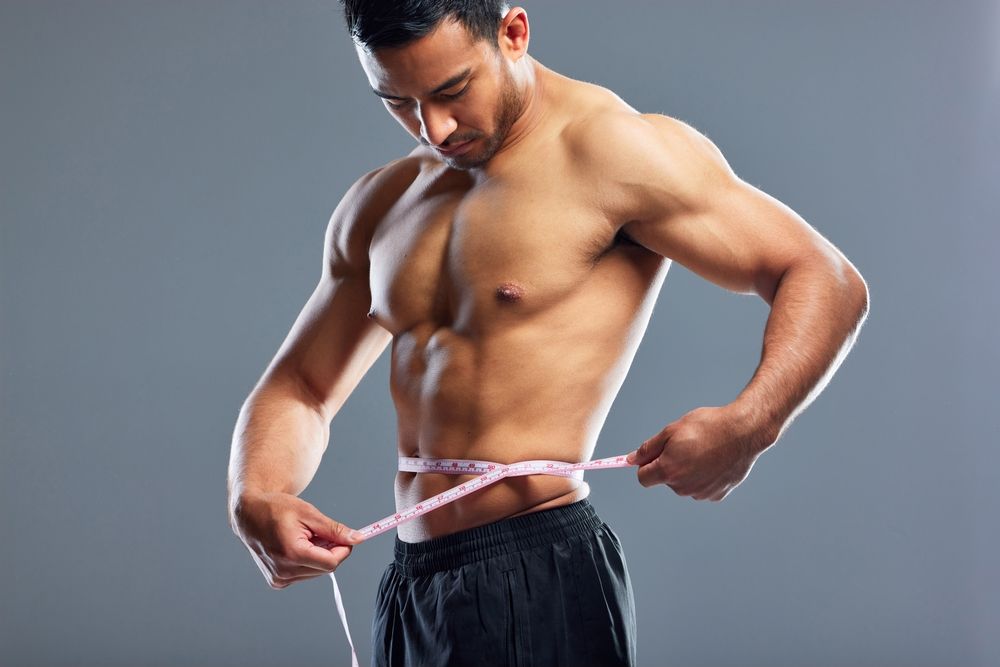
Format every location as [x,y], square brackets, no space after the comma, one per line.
[436,124]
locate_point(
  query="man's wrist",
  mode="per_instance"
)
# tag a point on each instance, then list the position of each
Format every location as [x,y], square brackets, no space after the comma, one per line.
[762,427]
[239,496]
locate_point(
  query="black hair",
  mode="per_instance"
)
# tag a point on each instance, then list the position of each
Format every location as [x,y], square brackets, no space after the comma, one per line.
[376,24]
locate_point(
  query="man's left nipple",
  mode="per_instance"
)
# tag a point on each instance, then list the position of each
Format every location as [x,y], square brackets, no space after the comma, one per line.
[510,292]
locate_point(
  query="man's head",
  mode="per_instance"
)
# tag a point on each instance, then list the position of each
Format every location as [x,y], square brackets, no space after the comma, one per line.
[449,71]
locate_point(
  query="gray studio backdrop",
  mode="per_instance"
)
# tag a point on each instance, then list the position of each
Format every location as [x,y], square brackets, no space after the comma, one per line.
[166,173]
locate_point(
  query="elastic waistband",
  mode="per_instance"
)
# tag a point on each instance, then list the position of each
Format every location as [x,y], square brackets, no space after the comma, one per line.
[509,535]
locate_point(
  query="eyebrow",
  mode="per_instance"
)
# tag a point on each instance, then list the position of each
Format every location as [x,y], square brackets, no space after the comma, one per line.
[453,81]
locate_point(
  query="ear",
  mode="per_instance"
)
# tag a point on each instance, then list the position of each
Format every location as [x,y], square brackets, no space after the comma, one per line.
[514,34]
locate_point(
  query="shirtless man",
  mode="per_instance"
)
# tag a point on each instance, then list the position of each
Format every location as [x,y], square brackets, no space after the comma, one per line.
[513,259]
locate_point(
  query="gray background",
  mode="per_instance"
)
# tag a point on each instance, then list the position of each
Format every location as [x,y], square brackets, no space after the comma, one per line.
[166,173]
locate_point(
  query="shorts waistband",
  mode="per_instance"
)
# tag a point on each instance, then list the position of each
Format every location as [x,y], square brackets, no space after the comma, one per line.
[504,536]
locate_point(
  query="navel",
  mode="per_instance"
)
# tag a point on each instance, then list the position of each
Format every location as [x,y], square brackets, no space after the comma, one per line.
[509,292]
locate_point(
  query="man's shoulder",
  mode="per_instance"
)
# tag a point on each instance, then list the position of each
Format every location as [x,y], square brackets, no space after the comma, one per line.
[365,204]
[642,150]
[388,181]
[618,134]
[636,163]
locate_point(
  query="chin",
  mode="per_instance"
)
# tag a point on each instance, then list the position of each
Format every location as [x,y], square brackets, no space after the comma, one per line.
[472,160]
[464,162]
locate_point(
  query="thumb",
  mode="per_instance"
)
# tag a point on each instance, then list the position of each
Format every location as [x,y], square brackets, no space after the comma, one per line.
[326,528]
[647,451]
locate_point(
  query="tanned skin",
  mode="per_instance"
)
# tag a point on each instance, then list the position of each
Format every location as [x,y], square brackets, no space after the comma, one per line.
[513,282]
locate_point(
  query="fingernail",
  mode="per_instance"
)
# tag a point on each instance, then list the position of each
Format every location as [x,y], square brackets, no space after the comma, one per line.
[356,535]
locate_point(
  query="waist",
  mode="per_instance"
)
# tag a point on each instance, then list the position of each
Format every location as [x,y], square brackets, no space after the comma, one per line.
[510,497]
[504,536]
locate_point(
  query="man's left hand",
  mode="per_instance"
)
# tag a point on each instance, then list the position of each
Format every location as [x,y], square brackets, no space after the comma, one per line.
[705,454]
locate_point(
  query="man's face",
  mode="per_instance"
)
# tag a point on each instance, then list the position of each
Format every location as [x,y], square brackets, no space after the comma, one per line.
[446,89]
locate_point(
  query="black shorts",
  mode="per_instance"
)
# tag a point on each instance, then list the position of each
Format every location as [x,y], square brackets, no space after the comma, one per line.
[548,588]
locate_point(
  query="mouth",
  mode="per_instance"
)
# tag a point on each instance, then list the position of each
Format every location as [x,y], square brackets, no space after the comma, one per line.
[456,149]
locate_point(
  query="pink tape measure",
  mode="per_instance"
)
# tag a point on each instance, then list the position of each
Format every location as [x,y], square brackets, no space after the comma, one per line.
[488,473]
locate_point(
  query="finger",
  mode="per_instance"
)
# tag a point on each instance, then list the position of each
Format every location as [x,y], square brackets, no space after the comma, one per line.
[696,491]
[279,583]
[647,451]
[652,473]
[312,562]
[326,559]
[721,495]
[680,485]
[326,528]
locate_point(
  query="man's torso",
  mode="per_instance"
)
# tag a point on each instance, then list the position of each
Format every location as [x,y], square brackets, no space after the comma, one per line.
[516,305]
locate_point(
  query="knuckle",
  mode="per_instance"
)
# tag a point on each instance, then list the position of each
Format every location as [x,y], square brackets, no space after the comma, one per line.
[666,472]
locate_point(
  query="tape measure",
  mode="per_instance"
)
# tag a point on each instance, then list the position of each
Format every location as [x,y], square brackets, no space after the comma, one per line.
[487,472]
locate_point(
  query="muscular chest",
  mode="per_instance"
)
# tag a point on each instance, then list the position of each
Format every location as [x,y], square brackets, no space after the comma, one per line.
[467,256]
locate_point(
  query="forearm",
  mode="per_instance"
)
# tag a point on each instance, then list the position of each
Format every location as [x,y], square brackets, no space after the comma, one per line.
[278,441]
[815,316]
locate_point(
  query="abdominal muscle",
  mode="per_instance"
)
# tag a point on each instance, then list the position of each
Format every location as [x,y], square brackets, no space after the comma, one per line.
[465,414]
[509,497]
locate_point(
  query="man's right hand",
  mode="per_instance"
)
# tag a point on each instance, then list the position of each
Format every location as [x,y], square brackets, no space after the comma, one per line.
[289,539]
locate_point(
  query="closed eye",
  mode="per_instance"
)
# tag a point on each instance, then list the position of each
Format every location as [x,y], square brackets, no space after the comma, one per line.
[452,96]
[455,96]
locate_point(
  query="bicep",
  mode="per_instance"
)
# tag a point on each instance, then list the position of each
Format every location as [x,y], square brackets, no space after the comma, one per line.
[737,237]
[696,210]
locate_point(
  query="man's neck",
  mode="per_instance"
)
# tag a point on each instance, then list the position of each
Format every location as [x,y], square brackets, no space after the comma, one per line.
[530,80]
